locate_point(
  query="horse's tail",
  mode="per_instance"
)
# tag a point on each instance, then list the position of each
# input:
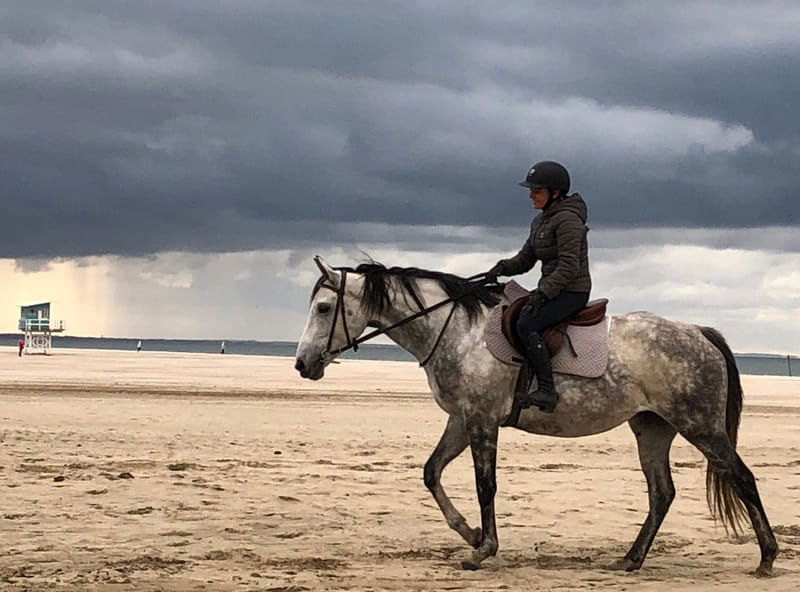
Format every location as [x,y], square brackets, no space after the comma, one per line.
[723,502]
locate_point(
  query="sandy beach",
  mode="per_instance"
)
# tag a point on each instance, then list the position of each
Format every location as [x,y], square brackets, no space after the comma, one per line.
[166,471]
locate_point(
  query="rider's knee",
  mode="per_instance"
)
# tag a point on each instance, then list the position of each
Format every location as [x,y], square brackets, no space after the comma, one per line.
[523,327]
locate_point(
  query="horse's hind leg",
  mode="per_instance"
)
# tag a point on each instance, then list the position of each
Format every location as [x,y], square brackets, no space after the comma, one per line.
[451,444]
[733,474]
[654,437]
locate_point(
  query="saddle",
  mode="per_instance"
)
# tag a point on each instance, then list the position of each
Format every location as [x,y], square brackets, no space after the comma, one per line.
[592,314]
[586,332]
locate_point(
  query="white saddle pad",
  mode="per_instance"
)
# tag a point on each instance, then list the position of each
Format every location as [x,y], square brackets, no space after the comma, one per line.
[590,343]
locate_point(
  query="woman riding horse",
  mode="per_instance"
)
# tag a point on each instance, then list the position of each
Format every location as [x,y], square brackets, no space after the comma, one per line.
[663,377]
[557,239]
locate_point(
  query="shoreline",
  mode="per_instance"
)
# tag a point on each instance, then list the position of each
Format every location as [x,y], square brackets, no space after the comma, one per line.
[102,372]
[761,364]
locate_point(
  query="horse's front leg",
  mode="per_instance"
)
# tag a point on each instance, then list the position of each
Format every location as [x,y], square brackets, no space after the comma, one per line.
[452,443]
[483,442]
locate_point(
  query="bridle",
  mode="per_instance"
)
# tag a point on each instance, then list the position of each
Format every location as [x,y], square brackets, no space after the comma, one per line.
[327,354]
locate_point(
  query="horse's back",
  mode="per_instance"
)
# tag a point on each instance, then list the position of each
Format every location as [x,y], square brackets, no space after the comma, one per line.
[670,362]
[649,344]
[653,363]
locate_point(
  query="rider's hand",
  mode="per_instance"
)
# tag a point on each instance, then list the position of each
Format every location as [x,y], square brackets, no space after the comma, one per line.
[536,300]
[491,275]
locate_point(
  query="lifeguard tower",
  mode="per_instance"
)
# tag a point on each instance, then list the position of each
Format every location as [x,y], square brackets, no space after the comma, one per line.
[34,320]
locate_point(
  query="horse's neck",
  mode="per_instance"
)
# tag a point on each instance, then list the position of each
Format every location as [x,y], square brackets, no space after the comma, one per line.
[418,336]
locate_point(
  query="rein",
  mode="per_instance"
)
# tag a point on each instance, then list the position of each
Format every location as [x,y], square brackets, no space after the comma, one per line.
[353,344]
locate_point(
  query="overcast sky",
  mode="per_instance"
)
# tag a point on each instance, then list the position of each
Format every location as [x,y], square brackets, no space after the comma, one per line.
[199,152]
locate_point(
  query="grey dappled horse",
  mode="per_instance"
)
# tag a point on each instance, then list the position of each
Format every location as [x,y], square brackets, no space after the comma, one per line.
[663,378]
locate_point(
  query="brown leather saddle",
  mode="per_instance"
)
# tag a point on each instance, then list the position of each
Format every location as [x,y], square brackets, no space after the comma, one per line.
[593,313]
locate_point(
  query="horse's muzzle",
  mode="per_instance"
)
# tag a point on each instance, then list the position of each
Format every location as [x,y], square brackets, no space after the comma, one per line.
[314,373]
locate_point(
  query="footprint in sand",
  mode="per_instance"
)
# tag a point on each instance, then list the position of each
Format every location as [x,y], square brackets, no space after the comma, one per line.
[141,511]
[289,535]
[17,516]
[181,466]
[288,498]
[791,529]
[558,466]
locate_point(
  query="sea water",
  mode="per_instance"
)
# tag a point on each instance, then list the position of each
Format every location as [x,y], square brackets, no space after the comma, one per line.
[766,364]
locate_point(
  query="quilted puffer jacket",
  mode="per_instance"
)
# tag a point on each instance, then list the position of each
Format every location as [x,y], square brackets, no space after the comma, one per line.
[558,240]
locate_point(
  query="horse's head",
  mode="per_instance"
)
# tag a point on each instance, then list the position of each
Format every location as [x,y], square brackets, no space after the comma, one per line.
[335,318]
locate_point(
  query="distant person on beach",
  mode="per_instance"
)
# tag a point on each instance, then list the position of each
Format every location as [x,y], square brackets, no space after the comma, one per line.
[21,345]
[222,348]
[139,346]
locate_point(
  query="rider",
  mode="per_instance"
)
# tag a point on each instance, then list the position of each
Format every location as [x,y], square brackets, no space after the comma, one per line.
[557,239]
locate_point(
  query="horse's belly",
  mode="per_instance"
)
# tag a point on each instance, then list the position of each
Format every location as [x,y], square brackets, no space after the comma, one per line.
[577,416]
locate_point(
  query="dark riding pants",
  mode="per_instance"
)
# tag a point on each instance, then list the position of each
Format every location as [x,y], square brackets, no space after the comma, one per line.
[550,313]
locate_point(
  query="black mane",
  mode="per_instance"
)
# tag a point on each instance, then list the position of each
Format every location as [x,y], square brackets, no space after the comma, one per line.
[375,297]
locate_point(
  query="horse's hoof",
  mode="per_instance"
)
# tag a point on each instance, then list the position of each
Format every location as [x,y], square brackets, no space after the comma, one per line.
[625,565]
[474,561]
[764,571]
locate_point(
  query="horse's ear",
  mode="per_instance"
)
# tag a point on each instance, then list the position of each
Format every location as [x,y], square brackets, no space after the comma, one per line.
[333,276]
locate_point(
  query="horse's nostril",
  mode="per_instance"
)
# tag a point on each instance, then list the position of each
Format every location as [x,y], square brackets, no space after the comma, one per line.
[299,365]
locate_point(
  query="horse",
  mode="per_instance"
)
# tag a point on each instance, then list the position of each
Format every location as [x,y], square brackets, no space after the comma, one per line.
[663,377]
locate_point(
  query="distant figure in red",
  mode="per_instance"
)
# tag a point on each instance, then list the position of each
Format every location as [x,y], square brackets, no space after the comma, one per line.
[21,346]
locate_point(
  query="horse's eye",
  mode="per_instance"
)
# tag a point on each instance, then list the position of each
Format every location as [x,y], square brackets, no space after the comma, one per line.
[323,308]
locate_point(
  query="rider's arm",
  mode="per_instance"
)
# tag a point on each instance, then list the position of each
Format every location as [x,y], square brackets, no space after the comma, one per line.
[521,262]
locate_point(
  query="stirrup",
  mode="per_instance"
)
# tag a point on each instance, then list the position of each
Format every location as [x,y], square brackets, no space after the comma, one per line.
[545,401]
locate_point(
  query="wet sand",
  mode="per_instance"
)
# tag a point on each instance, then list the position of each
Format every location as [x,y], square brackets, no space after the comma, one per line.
[160,471]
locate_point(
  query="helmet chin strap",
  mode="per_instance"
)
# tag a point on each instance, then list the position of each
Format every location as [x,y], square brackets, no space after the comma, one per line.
[551,199]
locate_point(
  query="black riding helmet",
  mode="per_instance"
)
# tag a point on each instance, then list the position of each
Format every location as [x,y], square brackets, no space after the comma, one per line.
[547,174]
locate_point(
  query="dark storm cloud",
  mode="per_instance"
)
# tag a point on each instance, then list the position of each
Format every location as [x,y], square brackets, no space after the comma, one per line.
[131,128]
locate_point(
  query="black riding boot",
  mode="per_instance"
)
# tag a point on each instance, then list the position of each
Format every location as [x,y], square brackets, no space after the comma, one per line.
[544,396]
